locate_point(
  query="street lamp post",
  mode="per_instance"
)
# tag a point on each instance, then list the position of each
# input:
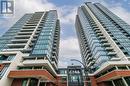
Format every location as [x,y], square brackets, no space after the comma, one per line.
[85,68]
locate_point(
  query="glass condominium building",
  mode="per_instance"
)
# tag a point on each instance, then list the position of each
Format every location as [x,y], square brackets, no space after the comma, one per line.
[104,41]
[29,51]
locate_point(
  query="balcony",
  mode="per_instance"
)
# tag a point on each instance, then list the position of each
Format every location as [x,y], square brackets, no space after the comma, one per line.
[99,34]
[26,30]
[109,48]
[23,33]
[114,75]
[111,53]
[40,62]
[104,40]
[22,36]
[3,69]
[19,40]
[106,44]
[41,74]
[102,37]
[36,62]
[29,26]
[16,45]
[13,49]
[115,59]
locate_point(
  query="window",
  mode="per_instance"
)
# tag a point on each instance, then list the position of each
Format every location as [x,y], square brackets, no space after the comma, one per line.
[11,57]
[111,69]
[119,82]
[122,67]
[38,67]
[6,57]
[24,82]
[33,82]
[2,72]
[21,68]
[127,80]
[3,57]
[64,78]
[75,78]
[42,83]
[62,71]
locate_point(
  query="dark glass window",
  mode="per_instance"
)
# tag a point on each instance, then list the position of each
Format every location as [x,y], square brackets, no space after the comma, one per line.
[33,82]
[119,82]
[122,67]
[42,84]
[111,69]
[24,82]
[38,67]
[127,80]
[3,57]
[64,78]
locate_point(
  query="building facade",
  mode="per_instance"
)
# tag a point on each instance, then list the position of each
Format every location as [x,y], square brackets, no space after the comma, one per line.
[75,76]
[104,41]
[71,76]
[29,51]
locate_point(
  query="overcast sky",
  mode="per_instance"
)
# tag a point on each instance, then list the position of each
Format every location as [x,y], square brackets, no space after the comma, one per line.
[69,47]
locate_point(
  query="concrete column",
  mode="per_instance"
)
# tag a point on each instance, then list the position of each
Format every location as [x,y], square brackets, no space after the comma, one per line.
[45,83]
[28,82]
[116,67]
[38,82]
[124,81]
[127,67]
[113,83]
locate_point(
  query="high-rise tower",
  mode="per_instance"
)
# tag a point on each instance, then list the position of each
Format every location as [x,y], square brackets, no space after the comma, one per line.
[104,41]
[29,50]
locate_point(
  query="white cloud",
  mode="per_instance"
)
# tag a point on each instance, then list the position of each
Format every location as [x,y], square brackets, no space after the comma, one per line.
[25,6]
[63,64]
[67,14]
[69,47]
[117,9]
[122,13]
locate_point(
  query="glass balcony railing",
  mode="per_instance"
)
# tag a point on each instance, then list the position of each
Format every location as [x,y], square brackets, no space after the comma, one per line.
[4,69]
[6,58]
